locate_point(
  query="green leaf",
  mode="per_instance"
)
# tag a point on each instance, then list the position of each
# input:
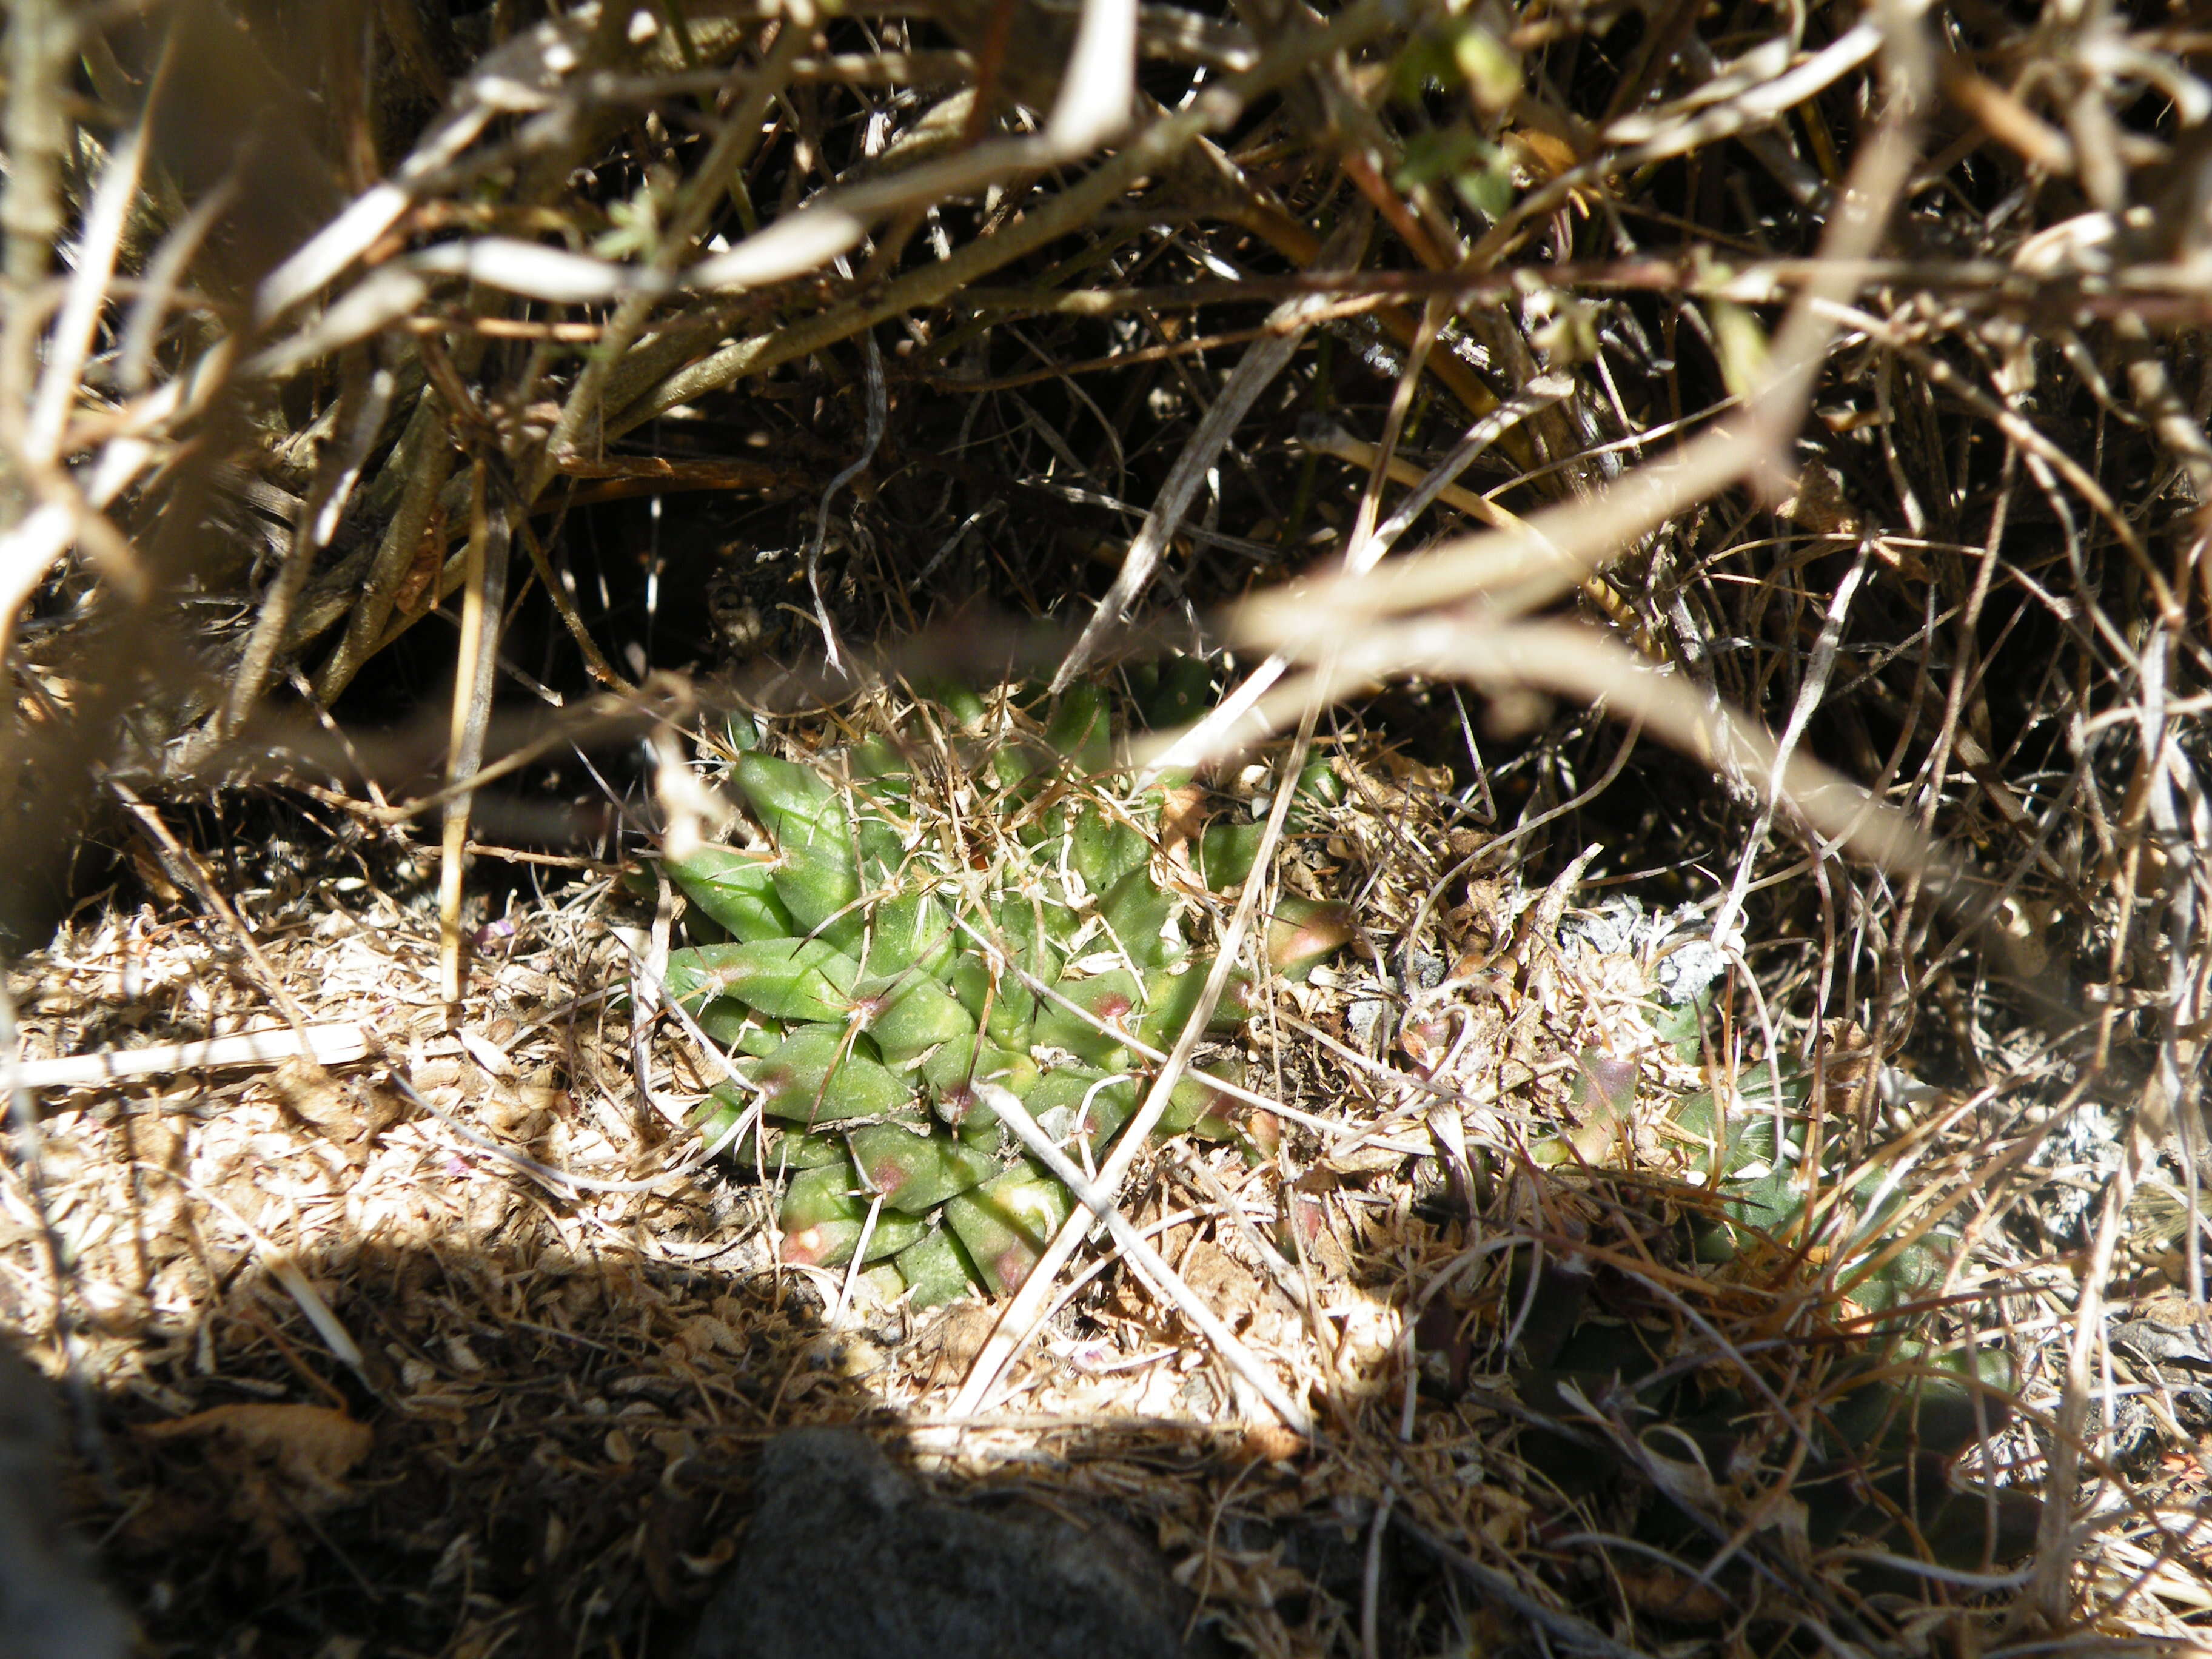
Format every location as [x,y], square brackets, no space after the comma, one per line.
[1226,853]
[1181,690]
[937,1270]
[1680,1026]
[1492,68]
[1305,932]
[782,978]
[1318,785]
[1095,1104]
[884,764]
[824,1192]
[1018,929]
[1193,1104]
[961,1062]
[817,882]
[1016,767]
[1741,342]
[1171,998]
[959,699]
[1750,1128]
[1766,1205]
[738,889]
[825,1214]
[1137,914]
[1083,731]
[1105,848]
[1429,157]
[1116,998]
[738,1029]
[903,931]
[916,1013]
[797,805]
[720,1113]
[967,976]
[1426,64]
[813,1078]
[1025,931]
[883,847]
[952,1073]
[1892,1280]
[786,1149]
[916,1172]
[1007,1222]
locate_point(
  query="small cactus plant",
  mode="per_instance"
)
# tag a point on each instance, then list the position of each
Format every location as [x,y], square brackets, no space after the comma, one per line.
[1893,1410]
[969,898]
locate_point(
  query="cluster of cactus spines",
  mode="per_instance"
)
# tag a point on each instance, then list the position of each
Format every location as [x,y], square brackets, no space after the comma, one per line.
[976,901]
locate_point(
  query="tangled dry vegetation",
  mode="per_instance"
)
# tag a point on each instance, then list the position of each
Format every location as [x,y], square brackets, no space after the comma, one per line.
[1721,491]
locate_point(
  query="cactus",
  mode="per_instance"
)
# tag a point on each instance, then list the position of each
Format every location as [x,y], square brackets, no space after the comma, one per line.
[988,906]
[1894,1408]
[1875,1253]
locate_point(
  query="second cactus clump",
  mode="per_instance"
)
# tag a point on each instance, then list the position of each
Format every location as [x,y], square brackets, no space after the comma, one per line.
[966,895]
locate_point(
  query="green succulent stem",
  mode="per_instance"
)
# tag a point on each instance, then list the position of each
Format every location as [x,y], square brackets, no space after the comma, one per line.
[917,939]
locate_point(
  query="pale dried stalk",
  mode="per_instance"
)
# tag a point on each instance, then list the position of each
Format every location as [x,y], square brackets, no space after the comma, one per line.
[426,461]
[1150,1266]
[733,148]
[1254,373]
[475,663]
[331,1044]
[654,383]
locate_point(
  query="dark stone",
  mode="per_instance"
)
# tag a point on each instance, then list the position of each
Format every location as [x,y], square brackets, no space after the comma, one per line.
[50,1606]
[848,1557]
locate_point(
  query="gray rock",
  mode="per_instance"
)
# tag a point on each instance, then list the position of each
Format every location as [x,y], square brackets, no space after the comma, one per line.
[50,1606]
[848,1557]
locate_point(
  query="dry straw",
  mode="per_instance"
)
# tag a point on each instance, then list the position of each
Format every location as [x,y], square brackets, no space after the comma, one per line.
[1752,461]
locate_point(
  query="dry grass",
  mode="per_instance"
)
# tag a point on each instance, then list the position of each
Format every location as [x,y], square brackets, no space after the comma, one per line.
[1802,420]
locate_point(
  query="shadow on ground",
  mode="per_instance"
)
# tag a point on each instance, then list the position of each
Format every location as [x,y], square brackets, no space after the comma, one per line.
[545,1456]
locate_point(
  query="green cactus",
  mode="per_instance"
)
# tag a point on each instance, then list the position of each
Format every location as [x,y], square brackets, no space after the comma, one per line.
[1895,1407]
[986,905]
[1873,1253]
